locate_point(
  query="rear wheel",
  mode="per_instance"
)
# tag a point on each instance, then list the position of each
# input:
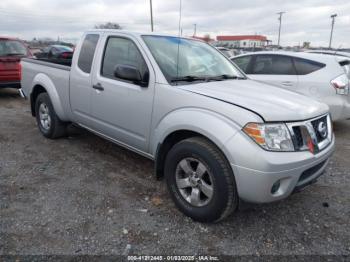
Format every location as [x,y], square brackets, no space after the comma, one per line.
[200,180]
[48,122]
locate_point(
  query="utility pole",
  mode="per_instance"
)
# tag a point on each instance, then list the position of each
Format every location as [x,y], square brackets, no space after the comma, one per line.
[195,29]
[150,3]
[279,30]
[330,39]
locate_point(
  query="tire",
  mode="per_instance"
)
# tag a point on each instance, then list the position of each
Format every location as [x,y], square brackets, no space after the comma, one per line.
[48,122]
[197,154]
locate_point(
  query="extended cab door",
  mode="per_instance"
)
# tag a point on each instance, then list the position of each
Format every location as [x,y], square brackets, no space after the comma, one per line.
[277,70]
[81,81]
[122,109]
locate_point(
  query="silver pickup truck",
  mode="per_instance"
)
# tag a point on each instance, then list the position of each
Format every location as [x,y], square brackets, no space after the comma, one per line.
[216,136]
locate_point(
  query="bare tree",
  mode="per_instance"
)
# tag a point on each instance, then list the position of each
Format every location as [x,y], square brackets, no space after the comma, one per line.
[108,25]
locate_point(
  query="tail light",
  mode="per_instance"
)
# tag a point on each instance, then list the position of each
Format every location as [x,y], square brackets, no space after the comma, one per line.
[65,55]
[341,84]
[20,70]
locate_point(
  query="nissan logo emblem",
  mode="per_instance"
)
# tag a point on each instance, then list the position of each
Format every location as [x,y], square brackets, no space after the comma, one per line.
[322,129]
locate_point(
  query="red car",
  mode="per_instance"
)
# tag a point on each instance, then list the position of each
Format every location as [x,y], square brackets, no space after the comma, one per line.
[11,52]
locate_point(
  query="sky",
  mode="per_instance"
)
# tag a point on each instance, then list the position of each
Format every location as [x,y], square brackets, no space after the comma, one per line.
[304,20]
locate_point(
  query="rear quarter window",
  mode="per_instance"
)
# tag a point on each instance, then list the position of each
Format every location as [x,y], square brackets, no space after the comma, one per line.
[87,52]
[305,66]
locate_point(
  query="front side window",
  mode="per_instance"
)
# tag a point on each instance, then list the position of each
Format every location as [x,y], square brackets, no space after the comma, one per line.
[189,59]
[87,52]
[243,62]
[273,65]
[122,51]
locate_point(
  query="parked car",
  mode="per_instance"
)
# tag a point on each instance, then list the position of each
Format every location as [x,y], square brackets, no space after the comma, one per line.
[215,135]
[329,52]
[11,52]
[322,77]
[56,52]
[227,52]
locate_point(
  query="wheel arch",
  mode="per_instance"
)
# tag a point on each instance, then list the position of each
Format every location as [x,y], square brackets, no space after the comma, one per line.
[42,83]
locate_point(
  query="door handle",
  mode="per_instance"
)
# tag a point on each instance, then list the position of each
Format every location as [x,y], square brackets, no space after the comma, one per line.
[287,83]
[98,87]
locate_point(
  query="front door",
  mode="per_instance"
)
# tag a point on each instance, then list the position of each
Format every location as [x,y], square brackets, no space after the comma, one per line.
[121,109]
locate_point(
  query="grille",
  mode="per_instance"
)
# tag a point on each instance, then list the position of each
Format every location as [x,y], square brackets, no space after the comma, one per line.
[307,136]
[311,171]
[315,124]
[299,141]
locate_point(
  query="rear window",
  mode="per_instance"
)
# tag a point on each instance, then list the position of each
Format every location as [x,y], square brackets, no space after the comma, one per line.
[12,48]
[87,52]
[304,66]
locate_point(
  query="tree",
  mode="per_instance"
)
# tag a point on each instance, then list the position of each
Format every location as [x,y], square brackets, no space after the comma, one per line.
[108,25]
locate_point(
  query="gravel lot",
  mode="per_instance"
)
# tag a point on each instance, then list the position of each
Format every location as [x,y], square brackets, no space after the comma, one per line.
[85,195]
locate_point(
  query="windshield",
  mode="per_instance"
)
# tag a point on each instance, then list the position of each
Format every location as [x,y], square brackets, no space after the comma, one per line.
[12,47]
[189,60]
[63,48]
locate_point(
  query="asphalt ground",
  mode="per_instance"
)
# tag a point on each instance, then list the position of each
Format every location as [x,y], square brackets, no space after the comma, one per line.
[83,195]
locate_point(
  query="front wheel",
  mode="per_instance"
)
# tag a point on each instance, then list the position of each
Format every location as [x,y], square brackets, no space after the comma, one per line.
[48,122]
[200,180]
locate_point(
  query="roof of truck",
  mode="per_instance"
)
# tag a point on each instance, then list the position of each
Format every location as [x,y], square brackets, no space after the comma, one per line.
[137,34]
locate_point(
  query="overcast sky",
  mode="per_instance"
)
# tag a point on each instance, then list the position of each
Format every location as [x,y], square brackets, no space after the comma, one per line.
[305,20]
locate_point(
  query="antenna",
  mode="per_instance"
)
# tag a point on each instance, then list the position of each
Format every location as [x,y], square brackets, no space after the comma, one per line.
[178,41]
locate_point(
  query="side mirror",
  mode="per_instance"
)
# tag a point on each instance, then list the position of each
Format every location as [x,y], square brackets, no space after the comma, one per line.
[129,73]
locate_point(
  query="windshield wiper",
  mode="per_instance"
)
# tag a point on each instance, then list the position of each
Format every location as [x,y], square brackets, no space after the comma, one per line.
[191,78]
[224,77]
[188,78]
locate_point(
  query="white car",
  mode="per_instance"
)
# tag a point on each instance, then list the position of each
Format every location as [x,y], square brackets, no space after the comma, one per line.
[329,52]
[227,52]
[322,77]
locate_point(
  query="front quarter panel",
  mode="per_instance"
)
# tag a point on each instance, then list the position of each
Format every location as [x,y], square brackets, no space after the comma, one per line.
[214,126]
[217,120]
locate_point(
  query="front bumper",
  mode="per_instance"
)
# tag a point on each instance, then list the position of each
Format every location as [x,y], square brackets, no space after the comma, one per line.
[257,170]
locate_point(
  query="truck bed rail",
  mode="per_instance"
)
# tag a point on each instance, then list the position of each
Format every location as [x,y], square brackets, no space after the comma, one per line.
[56,63]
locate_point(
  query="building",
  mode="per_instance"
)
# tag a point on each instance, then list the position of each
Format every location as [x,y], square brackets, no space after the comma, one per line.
[205,38]
[242,41]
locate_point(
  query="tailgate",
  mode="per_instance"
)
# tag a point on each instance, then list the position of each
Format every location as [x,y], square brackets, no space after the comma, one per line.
[9,69]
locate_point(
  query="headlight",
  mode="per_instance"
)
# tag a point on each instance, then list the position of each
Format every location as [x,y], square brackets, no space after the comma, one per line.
[273,137]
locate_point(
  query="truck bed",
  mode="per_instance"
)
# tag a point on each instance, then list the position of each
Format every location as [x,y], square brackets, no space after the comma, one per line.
[55,77]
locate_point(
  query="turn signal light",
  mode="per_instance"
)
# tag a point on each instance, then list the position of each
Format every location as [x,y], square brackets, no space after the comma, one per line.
[254,132]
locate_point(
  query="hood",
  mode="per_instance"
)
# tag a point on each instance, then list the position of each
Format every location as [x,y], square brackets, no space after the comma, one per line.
[271,103]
